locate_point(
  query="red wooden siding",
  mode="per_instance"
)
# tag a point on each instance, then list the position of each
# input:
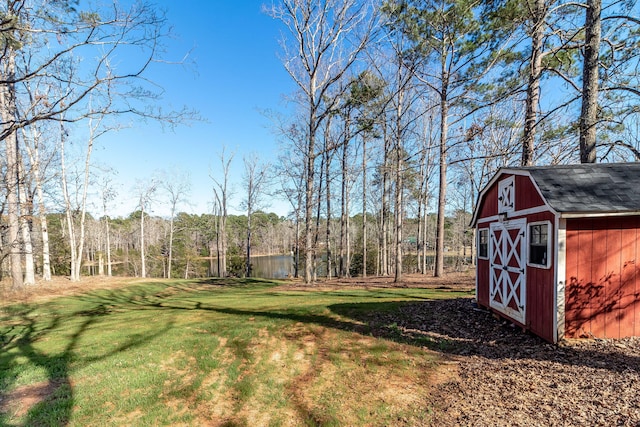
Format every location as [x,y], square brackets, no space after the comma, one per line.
[482,280]
[540,287]
[489,203]
[629,279]
[526,196]
[603,285]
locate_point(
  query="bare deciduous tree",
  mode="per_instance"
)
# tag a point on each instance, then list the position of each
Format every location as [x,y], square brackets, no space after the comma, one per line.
[326,38]
[145,191]
[43,42]
[107,195]
[255,179]
[177,186]
[221,192]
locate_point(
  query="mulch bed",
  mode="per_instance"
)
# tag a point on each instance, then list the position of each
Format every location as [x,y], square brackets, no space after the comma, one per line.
[506,377]
[494,374]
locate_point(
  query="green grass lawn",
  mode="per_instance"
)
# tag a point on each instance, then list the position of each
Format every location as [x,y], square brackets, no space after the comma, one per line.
[243,353]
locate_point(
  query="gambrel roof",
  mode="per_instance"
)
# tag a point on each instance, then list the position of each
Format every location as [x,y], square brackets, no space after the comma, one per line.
[589,188]
[581,189]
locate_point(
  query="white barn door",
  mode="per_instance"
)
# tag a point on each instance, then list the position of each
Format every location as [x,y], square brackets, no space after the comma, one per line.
[507,278]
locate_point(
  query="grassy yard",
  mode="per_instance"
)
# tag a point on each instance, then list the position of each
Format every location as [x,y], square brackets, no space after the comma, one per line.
[245,353]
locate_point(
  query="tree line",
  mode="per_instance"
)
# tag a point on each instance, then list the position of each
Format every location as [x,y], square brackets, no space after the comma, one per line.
[433,96]
[403,110]
[113,246]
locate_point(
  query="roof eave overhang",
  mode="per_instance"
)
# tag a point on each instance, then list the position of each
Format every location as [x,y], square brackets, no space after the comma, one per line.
[573,215]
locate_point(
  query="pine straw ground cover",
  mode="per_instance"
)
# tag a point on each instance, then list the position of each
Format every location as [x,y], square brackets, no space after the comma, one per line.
[362,352]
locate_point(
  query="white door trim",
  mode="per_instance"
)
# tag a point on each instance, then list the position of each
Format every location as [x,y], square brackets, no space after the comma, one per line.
[508,258]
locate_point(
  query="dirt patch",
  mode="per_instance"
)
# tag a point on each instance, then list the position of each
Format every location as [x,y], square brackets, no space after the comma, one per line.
[62,286]
[22,399]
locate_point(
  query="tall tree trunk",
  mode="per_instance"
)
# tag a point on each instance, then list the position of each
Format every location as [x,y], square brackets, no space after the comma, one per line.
[44,229]
[8,113]
[85,188]
[170,258]
[34,158]
[425,237]
[384,262]
[83,207]
[217,220]
[442,187]
[316,232]
[422,208]
[222,271]
[344,217]
[347,236]
[399,187]
[296,255]
[327,166]
[398,213]
[249,213]
[364,207]
[143,263]
[13,213]
[100,264]
[26,209]
[73,247]
[219,269]
[221,199]
[108,245]
[419,242]
[309,199]
[589,111]
[533,86]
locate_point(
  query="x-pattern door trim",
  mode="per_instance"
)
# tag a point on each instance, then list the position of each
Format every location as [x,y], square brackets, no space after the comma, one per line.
[505,250]
[506,195]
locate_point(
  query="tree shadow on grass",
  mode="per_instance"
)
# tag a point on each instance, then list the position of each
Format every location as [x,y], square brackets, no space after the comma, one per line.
[49,402]
[449,326]
[455,327]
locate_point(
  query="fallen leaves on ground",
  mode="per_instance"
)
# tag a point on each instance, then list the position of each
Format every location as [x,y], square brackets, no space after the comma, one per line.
[506,377]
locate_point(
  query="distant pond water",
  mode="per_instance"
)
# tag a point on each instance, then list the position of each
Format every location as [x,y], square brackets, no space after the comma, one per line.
[282,266]
[272,266]
[266,266]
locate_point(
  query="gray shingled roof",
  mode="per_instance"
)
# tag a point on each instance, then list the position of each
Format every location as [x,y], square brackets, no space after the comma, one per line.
[599,187]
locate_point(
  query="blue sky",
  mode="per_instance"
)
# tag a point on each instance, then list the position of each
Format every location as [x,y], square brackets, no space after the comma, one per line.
[233,73]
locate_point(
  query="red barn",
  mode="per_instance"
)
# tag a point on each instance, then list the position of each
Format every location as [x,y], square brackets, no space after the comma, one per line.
[558,249]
